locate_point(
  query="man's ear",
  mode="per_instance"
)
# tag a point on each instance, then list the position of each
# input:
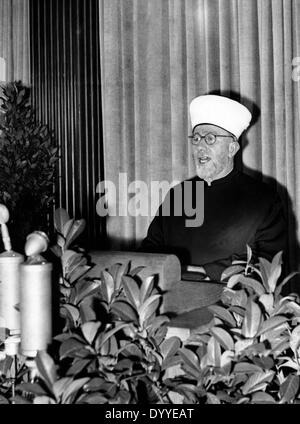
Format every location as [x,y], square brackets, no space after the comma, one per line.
[234,147]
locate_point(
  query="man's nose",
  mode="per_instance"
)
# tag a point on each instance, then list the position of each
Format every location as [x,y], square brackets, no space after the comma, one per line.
[202,146]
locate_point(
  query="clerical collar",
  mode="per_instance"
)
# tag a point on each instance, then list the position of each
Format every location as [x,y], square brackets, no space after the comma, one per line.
[222,180]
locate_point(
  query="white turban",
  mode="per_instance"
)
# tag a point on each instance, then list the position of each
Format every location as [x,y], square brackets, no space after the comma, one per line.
[221,111]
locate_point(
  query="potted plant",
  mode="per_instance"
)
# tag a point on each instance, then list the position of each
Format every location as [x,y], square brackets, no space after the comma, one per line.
[114,346]
[250,352]
[28,157]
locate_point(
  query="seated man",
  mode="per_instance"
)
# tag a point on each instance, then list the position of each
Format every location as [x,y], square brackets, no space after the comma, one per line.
[238,210]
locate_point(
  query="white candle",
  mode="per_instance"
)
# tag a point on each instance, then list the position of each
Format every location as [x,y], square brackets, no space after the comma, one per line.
[36,309]
[10,290]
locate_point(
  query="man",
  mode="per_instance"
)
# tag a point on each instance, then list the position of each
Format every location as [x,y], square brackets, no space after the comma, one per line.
[238,210]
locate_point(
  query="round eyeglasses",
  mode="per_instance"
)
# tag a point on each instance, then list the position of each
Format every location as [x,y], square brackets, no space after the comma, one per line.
[209,138]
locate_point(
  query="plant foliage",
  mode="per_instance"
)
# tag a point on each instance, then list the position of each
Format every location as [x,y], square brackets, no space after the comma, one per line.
[114,347]
[28,157]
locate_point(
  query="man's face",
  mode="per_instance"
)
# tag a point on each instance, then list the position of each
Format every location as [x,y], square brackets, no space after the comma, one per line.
[216,160]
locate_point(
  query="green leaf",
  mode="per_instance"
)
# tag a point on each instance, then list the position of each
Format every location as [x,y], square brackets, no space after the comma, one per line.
[223,313]
[60,386]
[248,282]
[87,289]
[271,324]
[71,311]
[257,381]
[20,400]
[241,400]
[158,322]
[78,273]
[170,347]
[265,269]
[5,365]
[145,309]
[93,399]
[171,361]
[150,312]
[280,347]
[226,361]
[267,300]
[213,353]
[56,249]
[125,311]
[109,348]
[89,330]
[46,368]
[289,388]
[146,288]
[87,311]
[246,368]
[132,351]
[290,363]
[61,241]
[107,285]
[75,261]
[286,280]
[293,308]
[73,387]
[295,339]
[240,298]
[74,232]
[113,270]
[67,227]
[69,347]
[262,398]
[3,400]
[237,310]
[266,362]
[223,337]
[256,349]
[132,291]
[232,270]
[136,270]
[33,388]
[43,400]
[123,268]
[252,319]
[107,335]
[212,399]
[249,254]
[190,360]
[68,256]
[94,384]
[61,217]
[78,365]
[275,271]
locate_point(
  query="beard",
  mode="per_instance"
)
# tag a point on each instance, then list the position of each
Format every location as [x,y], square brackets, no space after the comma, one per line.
[207,170]
[211,169]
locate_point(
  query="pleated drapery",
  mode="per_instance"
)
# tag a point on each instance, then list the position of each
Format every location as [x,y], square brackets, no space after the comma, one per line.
[156,55]
[14,40]
[66,91]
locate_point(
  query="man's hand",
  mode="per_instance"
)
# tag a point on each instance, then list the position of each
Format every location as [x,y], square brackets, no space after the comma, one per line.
[195,268]
[198,269]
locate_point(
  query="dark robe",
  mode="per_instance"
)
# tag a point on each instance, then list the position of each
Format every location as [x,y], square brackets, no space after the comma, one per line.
[238,210]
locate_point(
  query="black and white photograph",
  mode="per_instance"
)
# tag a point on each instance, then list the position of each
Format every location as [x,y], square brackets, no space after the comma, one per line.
[150,205]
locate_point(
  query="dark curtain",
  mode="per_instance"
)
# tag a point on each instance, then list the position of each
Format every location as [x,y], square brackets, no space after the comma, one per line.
[156,55]
[65,75]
